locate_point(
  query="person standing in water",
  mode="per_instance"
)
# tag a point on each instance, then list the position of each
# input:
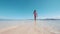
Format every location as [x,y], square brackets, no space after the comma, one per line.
[35,14]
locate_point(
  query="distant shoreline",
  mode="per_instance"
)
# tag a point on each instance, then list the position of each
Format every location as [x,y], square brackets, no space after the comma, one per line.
[24,19]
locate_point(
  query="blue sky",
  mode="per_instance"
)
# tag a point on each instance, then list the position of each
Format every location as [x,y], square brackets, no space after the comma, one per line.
[23,9]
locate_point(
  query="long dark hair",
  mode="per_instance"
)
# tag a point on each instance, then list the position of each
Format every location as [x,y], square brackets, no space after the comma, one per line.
[34,11]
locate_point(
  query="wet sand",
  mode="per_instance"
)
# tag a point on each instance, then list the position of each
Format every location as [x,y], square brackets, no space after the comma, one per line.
[27,28]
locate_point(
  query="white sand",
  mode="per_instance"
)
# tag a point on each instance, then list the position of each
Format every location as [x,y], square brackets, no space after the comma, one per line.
[27,28]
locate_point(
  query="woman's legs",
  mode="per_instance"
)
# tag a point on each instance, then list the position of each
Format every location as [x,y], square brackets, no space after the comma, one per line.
[35,18]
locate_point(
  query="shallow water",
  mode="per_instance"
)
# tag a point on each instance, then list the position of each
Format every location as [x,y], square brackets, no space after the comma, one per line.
[44,23]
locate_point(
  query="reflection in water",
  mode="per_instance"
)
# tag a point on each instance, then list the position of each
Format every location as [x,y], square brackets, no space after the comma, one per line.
[35,25]
[35,22]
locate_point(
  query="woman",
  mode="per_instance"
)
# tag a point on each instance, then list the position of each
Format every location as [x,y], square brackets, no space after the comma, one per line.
[35,15]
